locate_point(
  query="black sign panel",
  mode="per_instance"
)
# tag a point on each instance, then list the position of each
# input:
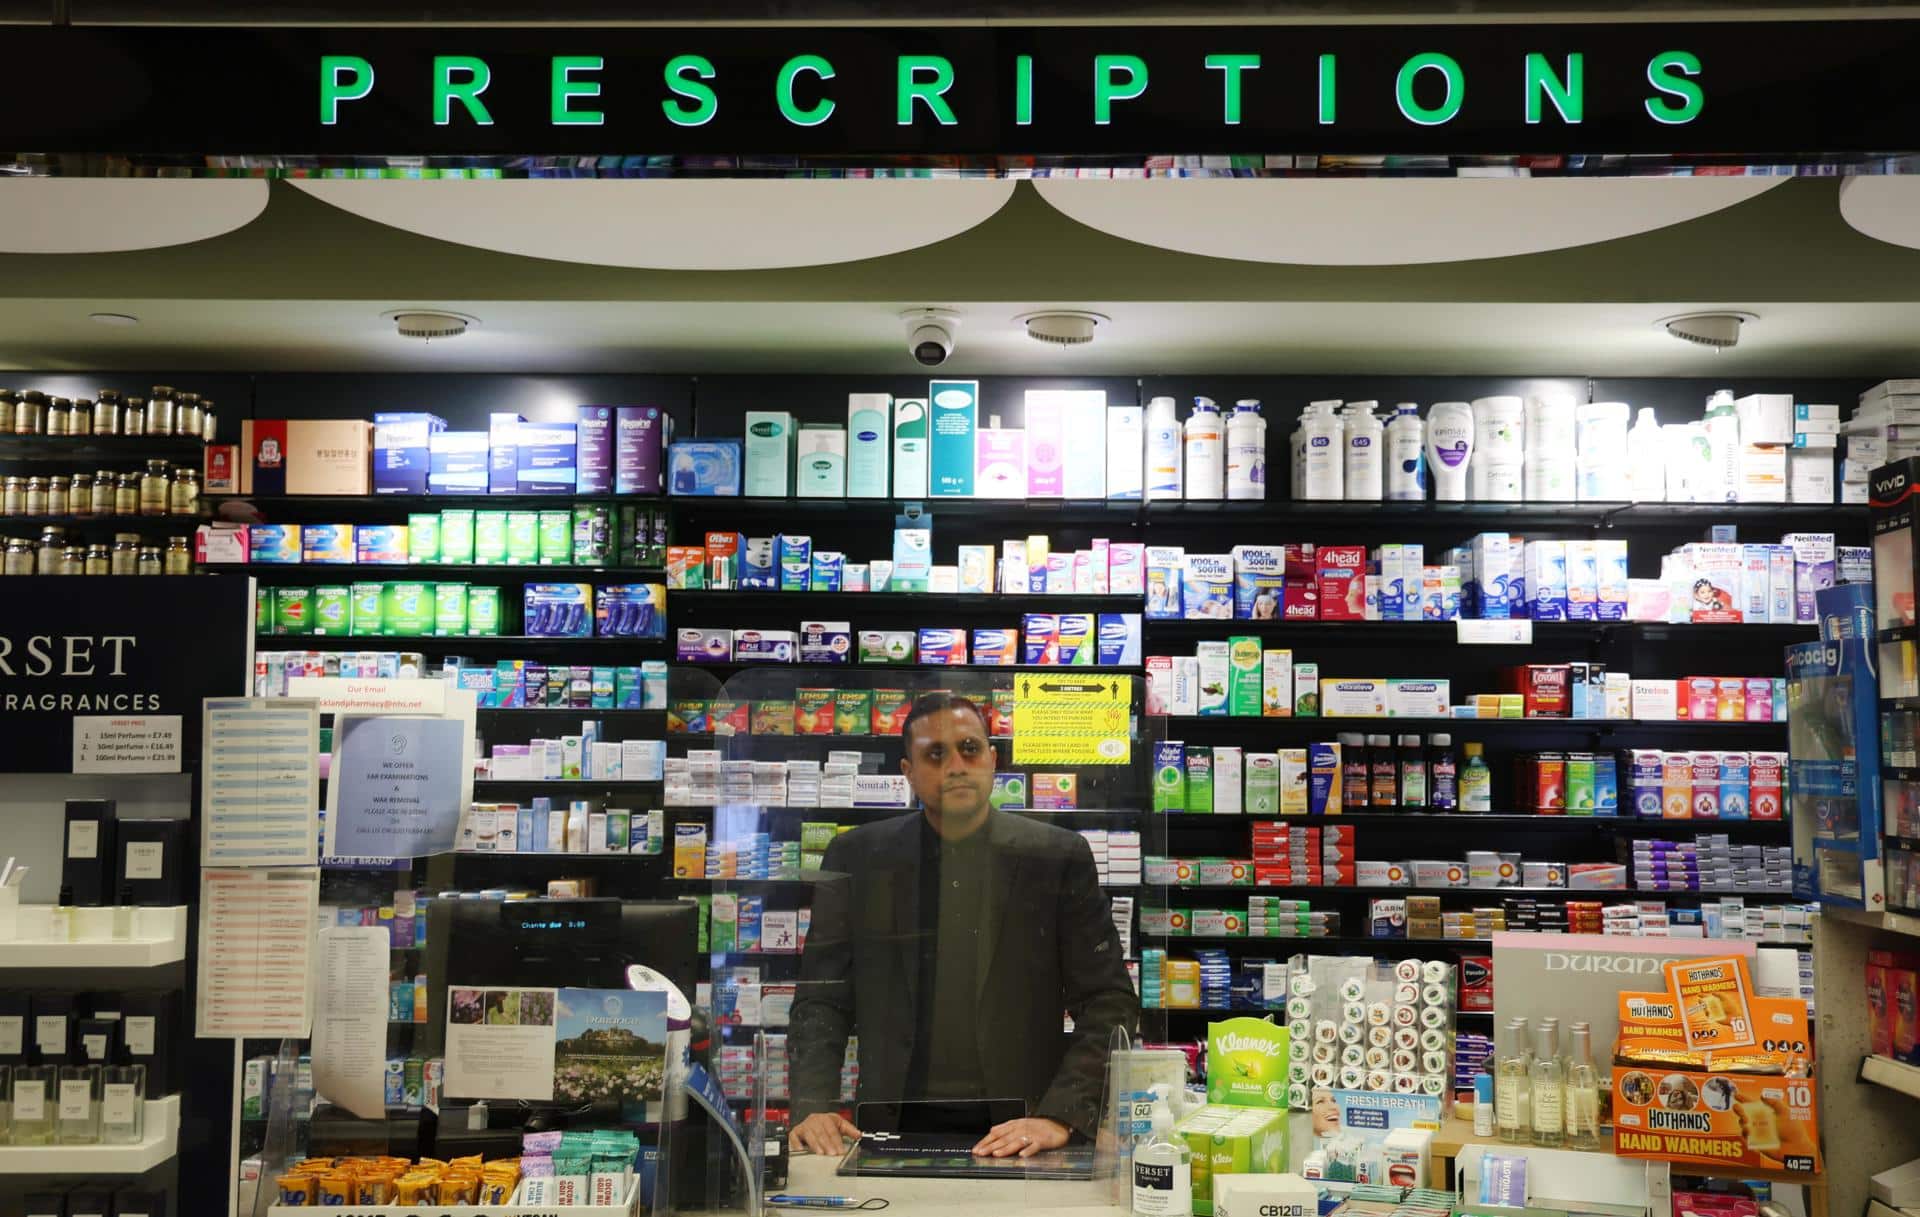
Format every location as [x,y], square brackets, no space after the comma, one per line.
[107,645]
[1756,90]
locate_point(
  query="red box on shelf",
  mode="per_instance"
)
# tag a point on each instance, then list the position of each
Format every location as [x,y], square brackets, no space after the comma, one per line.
[1300,594]
[1548,688]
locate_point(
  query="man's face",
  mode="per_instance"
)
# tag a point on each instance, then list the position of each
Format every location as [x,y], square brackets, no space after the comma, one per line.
[950,763]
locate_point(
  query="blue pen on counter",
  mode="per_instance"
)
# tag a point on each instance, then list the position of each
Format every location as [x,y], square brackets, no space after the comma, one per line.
[784,1201]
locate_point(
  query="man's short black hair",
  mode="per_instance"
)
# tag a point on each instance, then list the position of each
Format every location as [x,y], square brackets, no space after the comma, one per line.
[935,703]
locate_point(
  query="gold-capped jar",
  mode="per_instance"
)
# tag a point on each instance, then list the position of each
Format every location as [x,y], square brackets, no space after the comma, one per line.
[178,559]
[59,495]
[187,415]
[104,481]
[150,561]
[13,497]
[19,557]
[30,413]
[160,410]
[209,425]
[99,560]
[80,418]
[36,496]
[184,496]
[133,420]
[106,413]
[154,493]
[57,408]
[80,501]
[53,545]
[124,558]
[8,399]
[73,560]
[126,494]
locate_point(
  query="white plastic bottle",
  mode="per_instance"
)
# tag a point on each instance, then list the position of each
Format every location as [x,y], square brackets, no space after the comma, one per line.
[1646,464]
[1449,449]
[1365,438]
[1723,442]
[1162,1167]
[1323,463]
[1246,451]
[1163,449]
[1206,467]
[1406,455]
[1297,456]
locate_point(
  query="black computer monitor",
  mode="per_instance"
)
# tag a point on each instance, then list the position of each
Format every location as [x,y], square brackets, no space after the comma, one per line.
[584,943]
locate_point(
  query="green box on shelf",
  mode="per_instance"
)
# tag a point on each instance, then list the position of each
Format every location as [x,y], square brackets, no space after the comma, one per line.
[423,537]
[293,610]
[523,538]
[364,610]
[489,538]
[483,610]
[406,610]
[456,536]
[333,610]
[449,609]
[556,537]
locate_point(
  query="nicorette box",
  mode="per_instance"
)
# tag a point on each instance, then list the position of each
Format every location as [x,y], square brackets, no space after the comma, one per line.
[548,456]
[402,451]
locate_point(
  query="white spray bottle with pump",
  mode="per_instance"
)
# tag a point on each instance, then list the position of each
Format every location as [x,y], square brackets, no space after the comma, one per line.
[1246,451]
[1646,463]
[1163,449]
[1364,458]
[1449,449]
[1322,459]
[1162,1167]
[1406,455]
[1206,467]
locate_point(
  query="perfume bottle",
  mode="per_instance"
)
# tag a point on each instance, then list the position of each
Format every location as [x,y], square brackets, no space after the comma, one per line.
[123,915]
[6,1103]
[33,1087]
[1583,1092]
[60,924]
[78,1114]
[1548,1086]
[123,1104]
[1510,1103]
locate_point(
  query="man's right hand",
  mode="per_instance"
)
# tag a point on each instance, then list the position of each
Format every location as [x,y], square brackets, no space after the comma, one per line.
[822,1133]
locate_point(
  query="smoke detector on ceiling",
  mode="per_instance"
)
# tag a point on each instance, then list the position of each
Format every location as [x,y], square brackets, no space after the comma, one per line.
[1062,327]
[429,324]
[1716,331]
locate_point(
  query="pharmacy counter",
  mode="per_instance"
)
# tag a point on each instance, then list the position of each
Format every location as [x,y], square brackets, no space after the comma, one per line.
[813,1176]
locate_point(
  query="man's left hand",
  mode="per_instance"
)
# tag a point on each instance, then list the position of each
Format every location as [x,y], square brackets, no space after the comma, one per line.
[1023,1137]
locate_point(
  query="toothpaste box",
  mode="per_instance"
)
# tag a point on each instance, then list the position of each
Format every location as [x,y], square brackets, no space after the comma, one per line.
[1342,577]
[1040,633]
[1206,586]
[1546,579]
[942,646]
[1813,569]
[996,648]
[1301,600]
[826,642]
[1352,697]
[1119,639]
[1215,676]
[1259,581]
[1610,572]
[1583,581]
[1484,591]
[1164,566]
[1276,684]
[1126,568]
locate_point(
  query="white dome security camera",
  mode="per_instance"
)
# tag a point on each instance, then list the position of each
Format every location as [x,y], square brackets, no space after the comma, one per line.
[930,334]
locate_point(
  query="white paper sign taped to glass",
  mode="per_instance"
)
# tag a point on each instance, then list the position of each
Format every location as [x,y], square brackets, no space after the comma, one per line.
[260,759]
[1069,719]
[397,786]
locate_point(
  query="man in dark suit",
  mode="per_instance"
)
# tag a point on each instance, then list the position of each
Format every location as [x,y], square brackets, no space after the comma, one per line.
[950,942]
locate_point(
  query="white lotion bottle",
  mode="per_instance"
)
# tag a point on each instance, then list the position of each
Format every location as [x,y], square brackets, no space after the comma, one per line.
[1206,467]
[1322,458]
[1364,440]
[1162,1167]
[1163,449]
[1449,449]
[1406,455]
[1646,464]
[1246,451]
[1723,442]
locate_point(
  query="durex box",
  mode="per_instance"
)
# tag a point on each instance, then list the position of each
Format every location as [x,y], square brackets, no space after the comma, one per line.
[955,420]
[548,455]
[593,450]
[639,440]
[402,451]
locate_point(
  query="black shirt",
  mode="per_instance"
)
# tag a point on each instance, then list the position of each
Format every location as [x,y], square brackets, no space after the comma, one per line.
[956,880]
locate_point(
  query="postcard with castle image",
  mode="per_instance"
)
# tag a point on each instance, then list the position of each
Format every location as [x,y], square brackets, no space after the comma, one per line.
[611,1046]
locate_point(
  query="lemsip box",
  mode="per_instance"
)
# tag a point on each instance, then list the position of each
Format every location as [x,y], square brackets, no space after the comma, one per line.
[402,451]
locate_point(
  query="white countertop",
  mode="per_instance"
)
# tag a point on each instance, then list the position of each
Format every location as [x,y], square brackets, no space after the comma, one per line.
[813,1176]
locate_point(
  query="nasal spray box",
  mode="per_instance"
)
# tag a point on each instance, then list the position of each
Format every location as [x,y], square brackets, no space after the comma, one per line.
[954,424]
[909,448]
[868,444]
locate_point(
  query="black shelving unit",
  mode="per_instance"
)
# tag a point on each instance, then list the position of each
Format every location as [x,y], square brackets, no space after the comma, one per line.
[51,448]
[390,572]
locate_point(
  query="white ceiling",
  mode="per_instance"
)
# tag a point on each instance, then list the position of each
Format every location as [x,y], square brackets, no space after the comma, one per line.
[1597,339]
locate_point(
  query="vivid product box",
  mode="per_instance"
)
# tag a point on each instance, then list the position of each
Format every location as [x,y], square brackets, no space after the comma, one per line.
[402,451]
[548,458]
[639,439]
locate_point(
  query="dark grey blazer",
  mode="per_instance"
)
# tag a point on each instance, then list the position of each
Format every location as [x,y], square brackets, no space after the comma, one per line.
[1053,948]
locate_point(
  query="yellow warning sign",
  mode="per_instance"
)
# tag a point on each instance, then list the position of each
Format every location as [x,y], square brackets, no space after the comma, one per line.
[1071,719]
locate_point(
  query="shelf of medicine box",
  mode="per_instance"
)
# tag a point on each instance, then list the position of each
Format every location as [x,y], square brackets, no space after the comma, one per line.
[1892,1074]
[1899,773]
[1218,628]
[1887,920]
[571,783]
[1465,729]
[403,503]
[159,937]
[654,647]
[158,1144]
[731,669]
[731,512]
[1898,633]
[103,525]
[342,572]
[1569,893]
[1319,946]
[628,716]
[1445,820]
[177,448]
[917,602]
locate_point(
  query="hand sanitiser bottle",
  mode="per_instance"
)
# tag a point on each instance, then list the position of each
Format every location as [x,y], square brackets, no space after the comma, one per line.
[1163,449]
[1365,439]
[1206,468]
[1449,449]
[1406,455]
[1246,451]
[1162,1167]
[1646,464]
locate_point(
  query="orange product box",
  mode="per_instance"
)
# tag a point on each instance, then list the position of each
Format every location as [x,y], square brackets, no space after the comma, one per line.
[813,711]
[890,710]
[731,717]
[1903,1010]
[1879,1025]
[1715,1000]
[771,717]
[686,567]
